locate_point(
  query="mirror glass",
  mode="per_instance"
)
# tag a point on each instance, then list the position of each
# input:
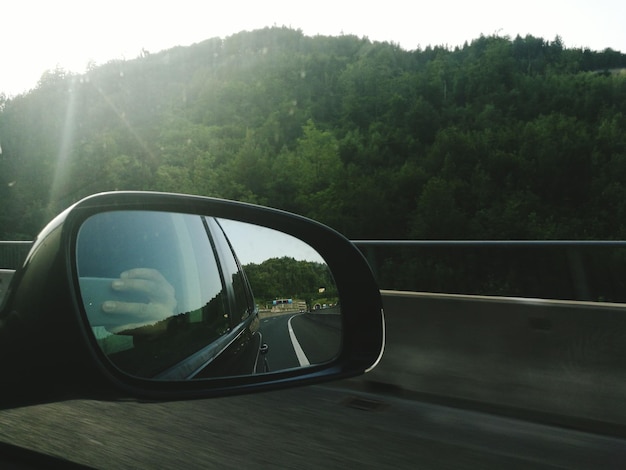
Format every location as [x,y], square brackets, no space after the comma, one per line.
[172,296]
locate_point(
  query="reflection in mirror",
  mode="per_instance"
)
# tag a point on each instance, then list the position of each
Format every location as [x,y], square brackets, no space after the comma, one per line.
[179,296]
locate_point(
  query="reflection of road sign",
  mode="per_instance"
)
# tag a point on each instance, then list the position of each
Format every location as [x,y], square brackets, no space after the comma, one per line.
[321,290]
[282,301]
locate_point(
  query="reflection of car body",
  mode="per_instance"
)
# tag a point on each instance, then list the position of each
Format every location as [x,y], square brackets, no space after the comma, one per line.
[242,341]
[214,329]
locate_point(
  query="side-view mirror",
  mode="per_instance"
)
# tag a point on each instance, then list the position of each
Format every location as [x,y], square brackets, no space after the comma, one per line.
[163,296]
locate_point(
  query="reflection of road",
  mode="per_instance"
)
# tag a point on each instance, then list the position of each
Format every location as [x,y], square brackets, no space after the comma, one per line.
[280,353]
[317,335]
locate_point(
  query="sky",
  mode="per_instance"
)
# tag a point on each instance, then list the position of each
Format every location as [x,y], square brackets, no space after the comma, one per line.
[40,35]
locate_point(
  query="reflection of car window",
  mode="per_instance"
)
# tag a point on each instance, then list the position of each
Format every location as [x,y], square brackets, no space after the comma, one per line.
[242,302]
[113,242]
[178,244]
[210,306]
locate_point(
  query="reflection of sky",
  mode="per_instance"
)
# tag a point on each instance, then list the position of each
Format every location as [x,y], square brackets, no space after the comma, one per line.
[255,244]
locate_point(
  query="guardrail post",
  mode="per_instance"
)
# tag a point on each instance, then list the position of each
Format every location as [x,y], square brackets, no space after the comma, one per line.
[370,256]
[577,270]
[13,253]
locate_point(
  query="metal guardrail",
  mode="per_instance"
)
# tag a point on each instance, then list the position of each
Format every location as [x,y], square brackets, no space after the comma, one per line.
[13,253]
[498,243]
[592,270]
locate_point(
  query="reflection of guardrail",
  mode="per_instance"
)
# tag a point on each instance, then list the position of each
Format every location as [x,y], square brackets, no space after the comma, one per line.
[270,313]
[293,306]
[13,253]
[564,360]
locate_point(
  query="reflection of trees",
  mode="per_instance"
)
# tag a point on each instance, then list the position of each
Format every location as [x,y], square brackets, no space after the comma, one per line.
[286,277]
[213,315]
[161,345]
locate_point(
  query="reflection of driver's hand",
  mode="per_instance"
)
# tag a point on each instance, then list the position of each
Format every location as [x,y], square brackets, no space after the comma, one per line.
[160,295]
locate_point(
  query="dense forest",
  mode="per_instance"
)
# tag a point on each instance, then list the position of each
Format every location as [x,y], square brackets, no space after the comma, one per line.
[502,138]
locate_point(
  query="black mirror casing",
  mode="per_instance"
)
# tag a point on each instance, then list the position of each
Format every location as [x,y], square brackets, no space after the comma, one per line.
[48,353]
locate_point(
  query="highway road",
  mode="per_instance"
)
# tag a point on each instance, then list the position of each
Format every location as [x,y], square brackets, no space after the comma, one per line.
[337,425]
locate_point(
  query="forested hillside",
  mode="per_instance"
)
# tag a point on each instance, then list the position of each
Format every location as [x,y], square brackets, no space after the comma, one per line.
[501,138]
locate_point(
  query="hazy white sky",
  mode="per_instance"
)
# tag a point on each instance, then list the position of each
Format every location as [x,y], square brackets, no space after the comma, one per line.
[39,35]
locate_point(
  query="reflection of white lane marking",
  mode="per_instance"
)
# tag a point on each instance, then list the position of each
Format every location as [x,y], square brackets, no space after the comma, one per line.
[296,346]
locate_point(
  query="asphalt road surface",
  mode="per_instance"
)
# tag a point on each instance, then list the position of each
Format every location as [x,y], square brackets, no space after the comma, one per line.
[318,336]
[324,426]
[280,354]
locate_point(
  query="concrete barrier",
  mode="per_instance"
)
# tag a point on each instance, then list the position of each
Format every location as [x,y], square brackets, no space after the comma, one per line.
[565,359]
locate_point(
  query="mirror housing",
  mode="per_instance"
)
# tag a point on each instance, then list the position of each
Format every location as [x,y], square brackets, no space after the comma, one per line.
[48,352]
